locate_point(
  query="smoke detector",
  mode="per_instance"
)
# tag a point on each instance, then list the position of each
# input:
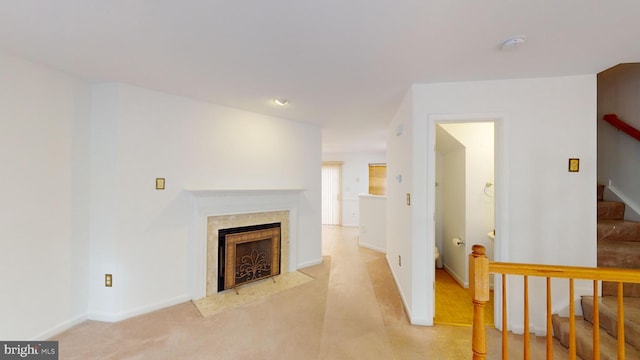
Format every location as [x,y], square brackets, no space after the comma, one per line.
[513,42]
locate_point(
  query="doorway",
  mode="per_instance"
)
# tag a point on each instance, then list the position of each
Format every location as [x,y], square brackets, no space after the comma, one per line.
[331,193]
[464,210]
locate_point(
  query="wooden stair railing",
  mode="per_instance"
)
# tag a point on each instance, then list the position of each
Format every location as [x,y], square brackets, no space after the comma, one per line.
[479,269]
[622,126]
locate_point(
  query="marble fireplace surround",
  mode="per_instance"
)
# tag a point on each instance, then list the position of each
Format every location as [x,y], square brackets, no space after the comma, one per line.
[218,209]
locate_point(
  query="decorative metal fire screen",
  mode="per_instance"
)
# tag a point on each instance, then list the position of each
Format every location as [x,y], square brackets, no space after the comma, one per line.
[247,254]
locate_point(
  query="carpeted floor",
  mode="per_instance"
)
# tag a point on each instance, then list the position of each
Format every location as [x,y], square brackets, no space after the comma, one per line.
[351,310]
[249,293]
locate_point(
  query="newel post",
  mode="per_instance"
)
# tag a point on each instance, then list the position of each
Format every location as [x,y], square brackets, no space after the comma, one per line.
[479,286]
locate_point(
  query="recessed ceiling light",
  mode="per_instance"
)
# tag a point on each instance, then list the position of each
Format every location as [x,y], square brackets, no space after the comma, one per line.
[281,102]
[513,42]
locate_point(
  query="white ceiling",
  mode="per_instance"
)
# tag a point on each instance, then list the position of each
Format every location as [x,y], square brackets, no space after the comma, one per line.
[342,64]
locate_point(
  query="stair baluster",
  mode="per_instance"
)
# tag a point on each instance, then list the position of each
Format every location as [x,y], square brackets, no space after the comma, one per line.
[527,346]
[621,347]
[549,324]
[572,321]
[596,322]
[505,331]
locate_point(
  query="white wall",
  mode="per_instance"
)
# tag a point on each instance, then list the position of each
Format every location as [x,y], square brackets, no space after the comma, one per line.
[44,125]
[618,160]
[141,234]
[399,214]
[543,211]
[453,209]
[355,180]
[373,222]
[439,218]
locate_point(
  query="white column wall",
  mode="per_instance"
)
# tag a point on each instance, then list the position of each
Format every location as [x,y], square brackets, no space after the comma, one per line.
[44,127]
[400,219]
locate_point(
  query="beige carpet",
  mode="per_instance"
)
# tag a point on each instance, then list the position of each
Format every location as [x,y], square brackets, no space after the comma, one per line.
[351,310]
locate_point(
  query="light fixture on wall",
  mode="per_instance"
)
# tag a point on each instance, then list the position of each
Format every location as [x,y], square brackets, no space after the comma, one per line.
[281,102]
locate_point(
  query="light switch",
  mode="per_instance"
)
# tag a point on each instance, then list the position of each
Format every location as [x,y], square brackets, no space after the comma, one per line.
[159,183]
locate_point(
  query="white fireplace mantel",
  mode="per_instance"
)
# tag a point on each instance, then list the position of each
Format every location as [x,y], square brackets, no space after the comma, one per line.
[223,192]
[209,202]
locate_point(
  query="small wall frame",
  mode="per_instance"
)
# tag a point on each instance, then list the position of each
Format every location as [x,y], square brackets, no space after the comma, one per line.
[574,165]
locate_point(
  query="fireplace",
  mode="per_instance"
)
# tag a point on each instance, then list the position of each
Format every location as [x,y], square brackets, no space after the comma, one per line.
[247,254]
[223,209]
[239,224]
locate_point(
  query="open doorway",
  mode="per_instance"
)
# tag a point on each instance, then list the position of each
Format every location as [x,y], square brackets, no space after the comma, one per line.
[464,212]
[331,193]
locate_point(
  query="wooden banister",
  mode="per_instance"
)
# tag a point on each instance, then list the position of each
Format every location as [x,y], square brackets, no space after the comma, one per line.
[622,126]
[480,268]
[566,272]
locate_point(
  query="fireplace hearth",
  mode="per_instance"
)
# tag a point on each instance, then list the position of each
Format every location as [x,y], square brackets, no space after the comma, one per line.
[247,254]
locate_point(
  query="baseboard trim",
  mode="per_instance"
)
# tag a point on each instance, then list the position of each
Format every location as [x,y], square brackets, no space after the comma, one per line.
[310,263]
[62,327]
[123,315]
[372,247]
[632,210]
[456,277]
[407,310]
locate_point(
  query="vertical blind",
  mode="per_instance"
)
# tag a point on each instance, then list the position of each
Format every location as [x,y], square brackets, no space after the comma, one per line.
[331,184]
[377,179]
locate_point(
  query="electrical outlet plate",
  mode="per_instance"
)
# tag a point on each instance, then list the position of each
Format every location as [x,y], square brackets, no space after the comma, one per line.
[108,280]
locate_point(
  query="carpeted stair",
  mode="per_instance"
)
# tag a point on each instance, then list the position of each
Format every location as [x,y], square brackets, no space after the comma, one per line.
[618,246]
[584,340]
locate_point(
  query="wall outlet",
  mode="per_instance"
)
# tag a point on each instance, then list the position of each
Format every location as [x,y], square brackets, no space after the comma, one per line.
[108,280]
[399,260]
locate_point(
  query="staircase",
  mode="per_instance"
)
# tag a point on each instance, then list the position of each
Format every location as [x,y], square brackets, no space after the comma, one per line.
[618,246]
